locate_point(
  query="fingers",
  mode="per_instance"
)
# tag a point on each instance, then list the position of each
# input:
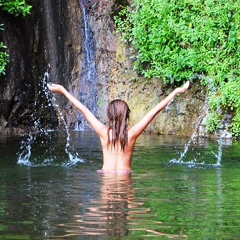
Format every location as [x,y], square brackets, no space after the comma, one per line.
[186,85]
[55,88]
[52,86]
[184,88]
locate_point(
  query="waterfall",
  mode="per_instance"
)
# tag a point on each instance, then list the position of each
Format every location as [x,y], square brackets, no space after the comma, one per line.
[89,79]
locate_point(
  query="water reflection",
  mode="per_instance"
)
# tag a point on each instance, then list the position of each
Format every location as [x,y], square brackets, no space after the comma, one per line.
[109,214]
[157,200]
[115,213]
[117,199]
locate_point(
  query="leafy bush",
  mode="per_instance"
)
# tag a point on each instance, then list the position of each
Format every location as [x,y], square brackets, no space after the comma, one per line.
[3,58]
[3,55]
[213,122]
[236,125]
[226,100]
[16,8]
[179,40]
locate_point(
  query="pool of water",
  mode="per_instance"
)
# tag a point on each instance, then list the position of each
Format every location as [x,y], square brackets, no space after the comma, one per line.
[49,189]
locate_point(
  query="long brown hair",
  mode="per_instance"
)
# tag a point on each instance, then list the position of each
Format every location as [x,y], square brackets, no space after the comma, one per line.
[118,118]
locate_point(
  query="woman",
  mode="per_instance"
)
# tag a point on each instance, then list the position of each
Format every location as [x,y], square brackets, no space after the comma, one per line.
[117,140]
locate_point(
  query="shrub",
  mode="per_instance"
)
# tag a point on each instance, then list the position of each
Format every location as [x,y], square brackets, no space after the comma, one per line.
[182,40]
[16,8]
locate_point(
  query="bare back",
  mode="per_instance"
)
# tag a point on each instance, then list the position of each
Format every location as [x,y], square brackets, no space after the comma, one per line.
[115,159]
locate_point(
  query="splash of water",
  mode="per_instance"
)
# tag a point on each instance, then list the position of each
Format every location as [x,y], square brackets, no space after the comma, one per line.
[194,162]
[198,131]
[24,156]
[69,149]
[41,134]
[218,155]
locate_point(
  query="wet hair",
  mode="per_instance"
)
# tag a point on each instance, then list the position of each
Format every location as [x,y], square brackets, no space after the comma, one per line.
[118,118]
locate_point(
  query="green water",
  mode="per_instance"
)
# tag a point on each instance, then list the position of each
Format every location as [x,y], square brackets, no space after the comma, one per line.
[58,197]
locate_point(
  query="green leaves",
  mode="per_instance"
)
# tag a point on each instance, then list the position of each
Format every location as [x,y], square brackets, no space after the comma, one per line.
[226,100]
[17,7]
[236,124]
[3,55]
[177,40]
[3,58]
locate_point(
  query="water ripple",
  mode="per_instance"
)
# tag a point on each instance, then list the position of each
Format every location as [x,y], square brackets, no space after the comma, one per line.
[117,212]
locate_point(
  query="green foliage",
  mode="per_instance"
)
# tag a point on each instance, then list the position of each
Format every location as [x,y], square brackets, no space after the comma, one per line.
[213,122]
[175,40]
[179,40]
[3,58]
[226,100]
[3,55]
[236,124]
[16,8]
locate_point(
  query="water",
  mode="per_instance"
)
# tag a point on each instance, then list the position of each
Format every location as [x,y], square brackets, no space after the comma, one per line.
[198,138]
[159,200]
[39,136]
[89,78]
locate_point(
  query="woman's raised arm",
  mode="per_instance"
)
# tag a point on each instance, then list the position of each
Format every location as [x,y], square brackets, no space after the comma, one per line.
[138,128]
[94,122]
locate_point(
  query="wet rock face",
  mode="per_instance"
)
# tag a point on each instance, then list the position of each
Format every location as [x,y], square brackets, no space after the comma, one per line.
[52,39]
[46,40]
[117,79]
[15,94]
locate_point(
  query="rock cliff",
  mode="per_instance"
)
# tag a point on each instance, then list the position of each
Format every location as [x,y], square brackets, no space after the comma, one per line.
[76,42]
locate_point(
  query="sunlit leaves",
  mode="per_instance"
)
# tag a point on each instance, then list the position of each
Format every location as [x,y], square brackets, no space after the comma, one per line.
[178,40]
[175,40]
[3,58]
[17,7]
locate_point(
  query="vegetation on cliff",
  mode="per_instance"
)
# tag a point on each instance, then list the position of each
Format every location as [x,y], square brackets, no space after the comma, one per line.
[17,8]
[189,39]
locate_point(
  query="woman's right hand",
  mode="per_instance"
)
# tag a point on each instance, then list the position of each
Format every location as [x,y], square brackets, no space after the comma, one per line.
[184,88]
